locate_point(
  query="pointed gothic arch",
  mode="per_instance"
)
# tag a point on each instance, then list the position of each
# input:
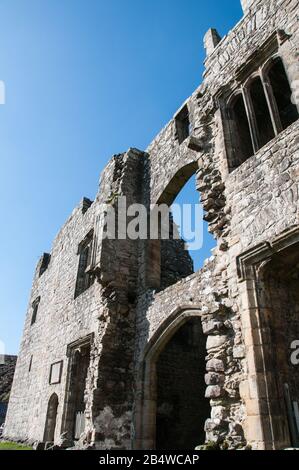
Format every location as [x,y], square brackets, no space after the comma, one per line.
[51,418]
[147,411]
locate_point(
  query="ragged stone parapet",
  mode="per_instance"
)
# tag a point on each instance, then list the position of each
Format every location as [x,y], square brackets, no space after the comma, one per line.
[247,4]
[116,326]
[211,40]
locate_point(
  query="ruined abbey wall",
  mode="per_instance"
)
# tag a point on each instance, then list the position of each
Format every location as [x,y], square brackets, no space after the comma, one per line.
[126,315]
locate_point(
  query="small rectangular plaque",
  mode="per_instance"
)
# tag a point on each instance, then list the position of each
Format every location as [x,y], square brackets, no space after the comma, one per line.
[55,373]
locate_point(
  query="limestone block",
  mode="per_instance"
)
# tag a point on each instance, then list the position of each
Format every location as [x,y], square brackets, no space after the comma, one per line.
[216,341]
[239,352]
[215,365]
[214,391]
[212,378]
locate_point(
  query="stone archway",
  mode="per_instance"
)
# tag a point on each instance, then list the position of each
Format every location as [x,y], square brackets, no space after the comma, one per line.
[176,183]
[172,408]
[50,426]
[171,255]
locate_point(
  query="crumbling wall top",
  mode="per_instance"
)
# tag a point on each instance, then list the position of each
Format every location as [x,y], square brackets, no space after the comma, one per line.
[246,5]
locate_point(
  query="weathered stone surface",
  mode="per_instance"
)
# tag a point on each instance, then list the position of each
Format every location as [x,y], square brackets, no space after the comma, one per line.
[215,365]
[214,391]
[135,294]
[239,352]
[7,370]
[215,342]
[211,326]
[219,412]
[214,379]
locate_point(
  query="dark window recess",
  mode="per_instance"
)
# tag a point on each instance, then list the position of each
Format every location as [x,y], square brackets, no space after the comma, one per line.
[35,306]
[131,297]
[269,102]
[242,143]
[182,124]
[181,406]
[261,111]
[86,203]
[49,434]
[84,278]
[288,112]
[45,260]
[30,364]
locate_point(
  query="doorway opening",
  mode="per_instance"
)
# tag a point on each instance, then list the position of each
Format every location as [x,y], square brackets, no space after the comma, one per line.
[50,426]
[74,417]
[279,294]
[181,407]
[172,410]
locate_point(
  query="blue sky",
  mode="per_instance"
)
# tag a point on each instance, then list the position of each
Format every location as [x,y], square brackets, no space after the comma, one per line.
[84,79]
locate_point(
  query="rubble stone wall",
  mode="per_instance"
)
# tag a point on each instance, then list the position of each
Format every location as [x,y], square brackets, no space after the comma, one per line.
[131,308]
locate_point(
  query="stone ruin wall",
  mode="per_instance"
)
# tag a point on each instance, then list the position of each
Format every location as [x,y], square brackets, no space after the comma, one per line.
[123,309]
[7,369]
[103,312]
[254,203]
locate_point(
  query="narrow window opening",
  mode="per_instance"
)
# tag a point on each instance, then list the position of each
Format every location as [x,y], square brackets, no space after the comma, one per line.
[262,114]
[84,278]
[45,260]
[30,364]
[241,137]
[288,112]
[35,306]
[183,125]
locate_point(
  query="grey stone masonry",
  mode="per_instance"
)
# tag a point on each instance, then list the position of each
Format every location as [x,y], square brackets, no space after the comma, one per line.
[7,369]
[111,330]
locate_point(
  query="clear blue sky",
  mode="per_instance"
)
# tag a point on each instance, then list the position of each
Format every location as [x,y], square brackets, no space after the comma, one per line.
[84,79]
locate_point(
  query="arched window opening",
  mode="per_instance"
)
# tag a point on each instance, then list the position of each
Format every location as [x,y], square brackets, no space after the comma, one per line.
[84,278]
[182,409]
[50,426]
[261,112]
[190,242]
[282,92]
[242,143]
